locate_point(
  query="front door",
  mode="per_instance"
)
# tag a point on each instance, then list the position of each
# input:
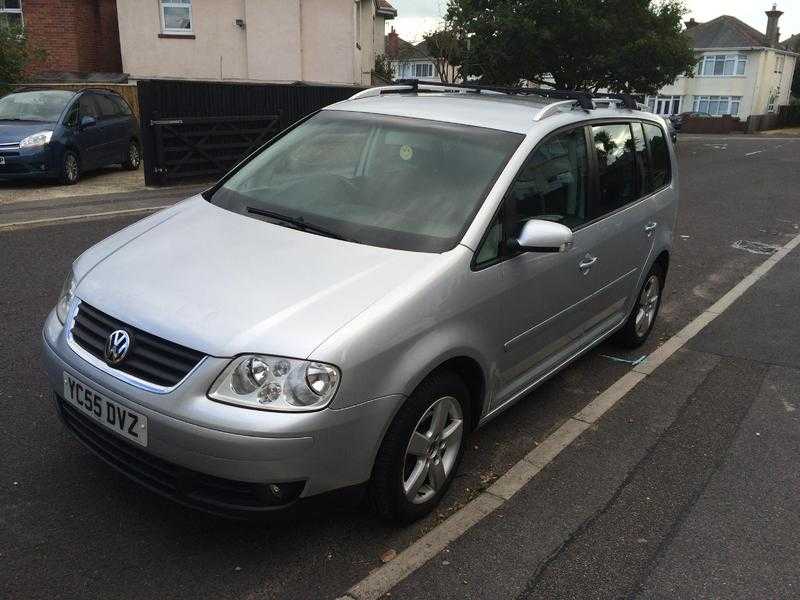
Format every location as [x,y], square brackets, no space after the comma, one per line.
[542,310]
[89,139]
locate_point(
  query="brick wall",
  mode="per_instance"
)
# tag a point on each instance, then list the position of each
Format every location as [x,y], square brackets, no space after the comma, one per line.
[78,36]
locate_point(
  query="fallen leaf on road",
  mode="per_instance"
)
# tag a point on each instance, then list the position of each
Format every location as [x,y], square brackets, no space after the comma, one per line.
[389,555]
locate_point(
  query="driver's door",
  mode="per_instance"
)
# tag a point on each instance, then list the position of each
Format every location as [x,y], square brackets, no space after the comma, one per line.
[543,309]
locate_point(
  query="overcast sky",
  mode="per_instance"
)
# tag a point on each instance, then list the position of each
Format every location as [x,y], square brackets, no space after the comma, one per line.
[416,17]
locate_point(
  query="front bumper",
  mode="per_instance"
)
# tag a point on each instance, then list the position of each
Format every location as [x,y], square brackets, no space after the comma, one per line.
[198,437]
[24,163]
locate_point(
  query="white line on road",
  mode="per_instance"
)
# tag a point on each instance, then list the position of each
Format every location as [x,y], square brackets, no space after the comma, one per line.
[384,578]
[756,152]
[127,211]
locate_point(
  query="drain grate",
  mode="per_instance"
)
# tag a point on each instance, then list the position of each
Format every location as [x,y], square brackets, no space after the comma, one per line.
[755,247]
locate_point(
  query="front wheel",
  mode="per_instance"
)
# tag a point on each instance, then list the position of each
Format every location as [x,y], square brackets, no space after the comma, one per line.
[643,316]
[422,449]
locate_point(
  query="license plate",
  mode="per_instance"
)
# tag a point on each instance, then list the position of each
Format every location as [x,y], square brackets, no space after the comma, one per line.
[109,414]
[2,160]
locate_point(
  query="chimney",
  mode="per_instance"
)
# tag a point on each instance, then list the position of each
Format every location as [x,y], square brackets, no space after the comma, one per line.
[773,33]
[393,44]
[690,23]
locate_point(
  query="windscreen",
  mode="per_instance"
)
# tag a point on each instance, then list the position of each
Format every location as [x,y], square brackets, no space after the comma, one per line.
[34,106]
[386,181]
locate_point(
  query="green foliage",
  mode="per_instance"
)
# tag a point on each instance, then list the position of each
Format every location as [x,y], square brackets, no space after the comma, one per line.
[631,46]
[14,55]
[383,67]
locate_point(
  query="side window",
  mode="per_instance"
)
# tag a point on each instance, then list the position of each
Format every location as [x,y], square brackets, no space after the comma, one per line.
[616,168]
[71,120]
[87,106]
[490,249]
[659,152]
[123,110]
[108,108]
[553,183]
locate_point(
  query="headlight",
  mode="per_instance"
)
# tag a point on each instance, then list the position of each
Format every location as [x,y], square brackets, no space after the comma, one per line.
[37,139]
[276,383]
[65,298]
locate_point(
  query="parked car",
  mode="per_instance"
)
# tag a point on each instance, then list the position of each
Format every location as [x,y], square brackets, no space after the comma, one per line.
[60,134]
[348,304]
[677,121]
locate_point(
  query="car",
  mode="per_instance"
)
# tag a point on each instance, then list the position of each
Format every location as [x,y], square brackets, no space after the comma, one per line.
[59,134]
[349,303]
[677,121]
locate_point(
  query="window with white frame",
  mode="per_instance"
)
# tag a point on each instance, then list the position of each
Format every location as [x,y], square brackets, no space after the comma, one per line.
[664,105]
[718,105]
[721,65]
[11,12]
[176,16]
[423,70]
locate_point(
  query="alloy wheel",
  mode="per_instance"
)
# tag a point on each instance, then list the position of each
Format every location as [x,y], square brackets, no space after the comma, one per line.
[648,303]
[433,449]
[133,154]
[71,167]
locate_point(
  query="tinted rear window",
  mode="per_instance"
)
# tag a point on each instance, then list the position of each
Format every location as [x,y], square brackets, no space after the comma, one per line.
[659,153]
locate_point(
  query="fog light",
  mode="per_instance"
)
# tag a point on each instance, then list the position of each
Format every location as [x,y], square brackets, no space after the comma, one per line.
[276,491]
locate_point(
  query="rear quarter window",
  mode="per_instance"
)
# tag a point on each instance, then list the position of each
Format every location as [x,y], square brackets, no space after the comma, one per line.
[660,171]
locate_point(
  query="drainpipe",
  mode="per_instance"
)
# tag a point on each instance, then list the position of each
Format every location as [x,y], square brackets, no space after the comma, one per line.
[246,50]
[300,36]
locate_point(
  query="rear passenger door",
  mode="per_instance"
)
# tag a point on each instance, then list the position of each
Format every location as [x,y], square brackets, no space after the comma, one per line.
[114,126]
[615,243]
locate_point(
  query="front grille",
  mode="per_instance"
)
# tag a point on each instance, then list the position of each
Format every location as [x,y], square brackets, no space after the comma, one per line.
[149,358]
[206,492]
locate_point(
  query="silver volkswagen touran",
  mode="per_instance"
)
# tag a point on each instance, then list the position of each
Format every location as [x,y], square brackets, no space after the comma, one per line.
[356,297]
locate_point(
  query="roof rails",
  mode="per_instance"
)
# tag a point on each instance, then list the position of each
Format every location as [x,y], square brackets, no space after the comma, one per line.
[586,100]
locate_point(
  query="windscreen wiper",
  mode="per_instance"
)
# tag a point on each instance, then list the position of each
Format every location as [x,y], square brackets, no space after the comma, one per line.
[299,223]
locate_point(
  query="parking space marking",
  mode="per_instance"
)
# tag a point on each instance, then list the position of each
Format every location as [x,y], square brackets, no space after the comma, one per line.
[384,578]
[127,211]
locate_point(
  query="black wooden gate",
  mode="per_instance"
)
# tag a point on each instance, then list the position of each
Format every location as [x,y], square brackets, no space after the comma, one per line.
[198,130]
[196,147]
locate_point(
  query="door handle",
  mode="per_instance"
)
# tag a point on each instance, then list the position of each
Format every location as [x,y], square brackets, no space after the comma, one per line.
[650,227]
[587,263]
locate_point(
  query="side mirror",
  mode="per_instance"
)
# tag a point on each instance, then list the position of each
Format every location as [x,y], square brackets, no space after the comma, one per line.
[543,236]
[88,122]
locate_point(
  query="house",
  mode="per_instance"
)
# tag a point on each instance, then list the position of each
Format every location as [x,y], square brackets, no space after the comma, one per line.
[328,41]
[79,39]
[740,71]
[414,61]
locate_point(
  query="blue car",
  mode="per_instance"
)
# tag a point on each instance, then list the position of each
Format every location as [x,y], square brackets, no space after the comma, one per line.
[59,134]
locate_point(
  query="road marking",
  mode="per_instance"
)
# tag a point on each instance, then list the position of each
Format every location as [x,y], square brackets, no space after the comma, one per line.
[127,211]
[756,152]
[384,578]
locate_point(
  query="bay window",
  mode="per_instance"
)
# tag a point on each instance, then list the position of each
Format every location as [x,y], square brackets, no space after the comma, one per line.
[722,65]
[717,105]
[423,70]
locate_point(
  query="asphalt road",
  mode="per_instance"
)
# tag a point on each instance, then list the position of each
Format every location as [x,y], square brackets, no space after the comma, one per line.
[72,528]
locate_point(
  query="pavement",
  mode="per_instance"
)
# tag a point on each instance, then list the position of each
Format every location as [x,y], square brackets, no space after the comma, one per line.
[72,528]
[109,180]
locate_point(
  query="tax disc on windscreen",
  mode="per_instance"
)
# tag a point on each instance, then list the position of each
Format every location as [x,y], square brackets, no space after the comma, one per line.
[406,152]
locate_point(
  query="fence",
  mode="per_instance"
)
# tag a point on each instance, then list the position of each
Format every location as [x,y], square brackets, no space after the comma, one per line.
[725,124]
[789,116]
[199,130]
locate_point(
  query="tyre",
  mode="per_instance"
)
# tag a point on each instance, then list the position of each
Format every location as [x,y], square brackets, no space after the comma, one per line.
[422,449]
[643,316]
[133,157]
[70,168]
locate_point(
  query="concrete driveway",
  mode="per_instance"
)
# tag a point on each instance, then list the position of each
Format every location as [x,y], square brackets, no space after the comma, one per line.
[110,180]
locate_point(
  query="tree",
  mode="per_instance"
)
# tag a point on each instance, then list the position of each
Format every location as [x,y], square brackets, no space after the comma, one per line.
[14,54]
[633,46]
[383,68]
[446,48]
[796,80]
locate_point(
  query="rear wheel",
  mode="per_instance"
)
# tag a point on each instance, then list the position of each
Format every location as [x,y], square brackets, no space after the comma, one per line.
[422,449]
[643,316]
[70,169]
[133,158]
